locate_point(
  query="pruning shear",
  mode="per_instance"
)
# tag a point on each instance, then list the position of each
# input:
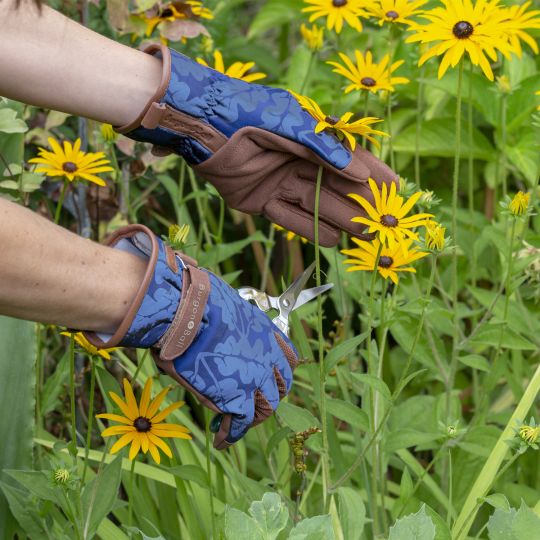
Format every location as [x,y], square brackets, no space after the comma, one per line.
[294,297]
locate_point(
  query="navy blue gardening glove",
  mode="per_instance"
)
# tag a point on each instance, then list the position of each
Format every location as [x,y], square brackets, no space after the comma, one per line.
[258,147]
[204,335]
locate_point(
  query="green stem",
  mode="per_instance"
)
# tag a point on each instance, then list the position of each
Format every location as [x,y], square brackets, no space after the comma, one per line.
[131,492]
[488,474]
[60,202]
[39,374]
[455,185]
[208,435]
[90,416]
[308,72]
[502,150]
[470,176]
[450,495]
[419,107]
[72,397]
[322,370]
[269,248]
[366,111]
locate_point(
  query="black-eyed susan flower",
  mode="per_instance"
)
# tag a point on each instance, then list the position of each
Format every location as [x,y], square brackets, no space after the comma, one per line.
[529,434]
[173,11]
[341,126]
[313,36]
[142,424]
[519,204]
[71,162]
[434,235]
[289,235]
[395,11]
[517,21]
[178,235]
[461,28]
[367,74]
[391,260]
[237,70]
[88,347]
[337,12]
[388,216]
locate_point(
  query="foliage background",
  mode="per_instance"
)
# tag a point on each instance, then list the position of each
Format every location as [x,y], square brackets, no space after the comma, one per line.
[439,433]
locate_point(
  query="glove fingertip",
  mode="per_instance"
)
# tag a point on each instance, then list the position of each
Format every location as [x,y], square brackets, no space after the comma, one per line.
[288,351]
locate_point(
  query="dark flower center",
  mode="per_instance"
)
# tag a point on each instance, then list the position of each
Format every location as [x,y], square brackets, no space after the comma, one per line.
[332,120]
[385,262]
[167,13]
[142,424]
[69,167]
[339,3]
[368,81]
[389,221]
[463,29]
[392,14]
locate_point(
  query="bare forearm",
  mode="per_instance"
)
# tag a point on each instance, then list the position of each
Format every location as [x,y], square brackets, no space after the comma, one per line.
[50,275]
[51,61]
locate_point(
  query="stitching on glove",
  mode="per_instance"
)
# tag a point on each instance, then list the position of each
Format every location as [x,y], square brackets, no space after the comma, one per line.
[287,351]
[263,409]
[282,386]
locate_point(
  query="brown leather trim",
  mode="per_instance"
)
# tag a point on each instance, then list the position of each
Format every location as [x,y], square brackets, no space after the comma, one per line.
[187,259]
[112,240]
[183,329]
[162,88]
[219,439]
[263,409]
[282,387]
[171,259]
[164,116]
[287,351]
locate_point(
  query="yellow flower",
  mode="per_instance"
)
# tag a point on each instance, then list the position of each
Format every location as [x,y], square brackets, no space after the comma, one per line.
[388,216]
[108,133]
[143,424]
[71,162]
[337,12]
[178,235]
[368,75]
[520,202]
[61,476]
[289,234]
[173,11]
[529,434]
[88,347]
[461,27]
[517,21]
[538,94]
[435,235]
[391,260]
[238,70]
[313,37]
[340,125]
[395,11]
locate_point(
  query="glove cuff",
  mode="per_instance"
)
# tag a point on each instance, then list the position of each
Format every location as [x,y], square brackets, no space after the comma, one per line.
[168,308]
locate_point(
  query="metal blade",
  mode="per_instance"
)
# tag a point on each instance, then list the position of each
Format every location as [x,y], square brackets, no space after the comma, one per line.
[287,301]
[309,294]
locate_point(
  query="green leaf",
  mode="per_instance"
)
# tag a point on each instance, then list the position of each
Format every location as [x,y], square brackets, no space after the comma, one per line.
[54,385]
[405,438]
[475,361]
[9,123]
[297,418]
[525,157]
[276,438]
[374,382]
[490,334]
[513,525]
[101,493]
[17,373]
[348,412]
[220,252]
[298,68]
[273,14]
[352,513]
[498,500]
[342,350]
[26,515]
[271,515]
[37,483]
[417,526]
[315,528]
[239,526]
[439,139]
[191,473]
[522,102]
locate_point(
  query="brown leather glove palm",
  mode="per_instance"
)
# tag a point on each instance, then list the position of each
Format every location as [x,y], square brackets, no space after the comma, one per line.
[258,147]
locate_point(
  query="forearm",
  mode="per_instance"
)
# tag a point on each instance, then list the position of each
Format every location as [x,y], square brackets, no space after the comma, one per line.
[50,275]
[51,61]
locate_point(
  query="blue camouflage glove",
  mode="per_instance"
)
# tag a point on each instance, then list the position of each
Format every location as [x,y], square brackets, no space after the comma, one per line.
[257,146]
[204,335]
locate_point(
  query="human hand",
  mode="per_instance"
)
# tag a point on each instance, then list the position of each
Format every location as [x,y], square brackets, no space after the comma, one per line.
[205,336]
[258,147]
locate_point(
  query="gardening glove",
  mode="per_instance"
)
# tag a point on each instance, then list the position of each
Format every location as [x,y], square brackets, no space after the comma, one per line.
[218,346]
[258,147]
